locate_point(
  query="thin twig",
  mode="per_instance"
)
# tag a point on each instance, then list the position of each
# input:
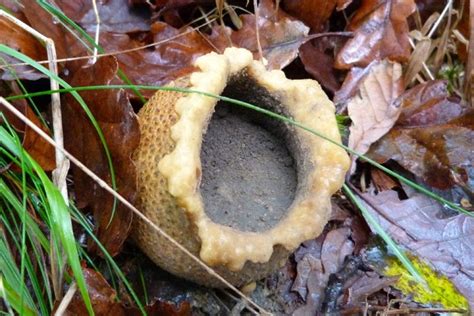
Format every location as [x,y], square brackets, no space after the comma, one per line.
[97,30]
[66,300]
[107,187]
[440,18]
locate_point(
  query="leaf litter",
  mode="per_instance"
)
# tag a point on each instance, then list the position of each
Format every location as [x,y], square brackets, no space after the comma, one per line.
[425,129]
[116,118]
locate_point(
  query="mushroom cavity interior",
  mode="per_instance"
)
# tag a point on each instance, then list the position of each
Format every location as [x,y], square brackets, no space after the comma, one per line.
[249,175]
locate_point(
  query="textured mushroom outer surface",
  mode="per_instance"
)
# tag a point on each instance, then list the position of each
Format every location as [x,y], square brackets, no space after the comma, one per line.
[245,195]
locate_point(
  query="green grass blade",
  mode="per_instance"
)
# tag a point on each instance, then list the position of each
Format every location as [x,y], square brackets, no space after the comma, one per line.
[60,217]
[10,295]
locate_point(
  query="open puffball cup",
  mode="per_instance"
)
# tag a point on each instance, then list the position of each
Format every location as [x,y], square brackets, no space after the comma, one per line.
[237,188]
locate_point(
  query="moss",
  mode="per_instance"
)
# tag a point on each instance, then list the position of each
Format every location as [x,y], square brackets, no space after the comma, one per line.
[439,289]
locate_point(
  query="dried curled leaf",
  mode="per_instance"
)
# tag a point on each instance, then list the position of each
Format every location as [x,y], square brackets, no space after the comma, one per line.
[432,137]
[373,110]
[380,31]
[112,110]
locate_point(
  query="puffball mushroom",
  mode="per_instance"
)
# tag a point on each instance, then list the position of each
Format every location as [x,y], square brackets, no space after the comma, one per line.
[237,188]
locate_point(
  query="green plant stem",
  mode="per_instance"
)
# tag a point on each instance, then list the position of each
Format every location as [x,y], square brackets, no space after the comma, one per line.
[408,182]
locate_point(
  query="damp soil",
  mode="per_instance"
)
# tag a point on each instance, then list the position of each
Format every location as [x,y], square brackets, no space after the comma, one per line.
[248,175]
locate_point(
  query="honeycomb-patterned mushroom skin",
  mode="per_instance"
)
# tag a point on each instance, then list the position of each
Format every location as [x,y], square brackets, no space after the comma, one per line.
[169,173]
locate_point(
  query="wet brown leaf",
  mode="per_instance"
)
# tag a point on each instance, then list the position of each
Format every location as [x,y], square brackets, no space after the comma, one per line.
[15,37]
[103,297]
[41,151]
[314,13]
[112,110]
[380,31]
[432,137]
[418,225]
[115,15]
[280,36]
[46,24]
[319,64]
[373,110]
[169,60]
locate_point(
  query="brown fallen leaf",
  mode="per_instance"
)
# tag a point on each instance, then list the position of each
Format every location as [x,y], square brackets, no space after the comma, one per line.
[112,110]
[169,60]
[39,149]
[319,64]
[280,36]
[313,13]
[432,137]
[418,224]
[373,110]
[103,297]
[43,22]
[380,31]
[15,37]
